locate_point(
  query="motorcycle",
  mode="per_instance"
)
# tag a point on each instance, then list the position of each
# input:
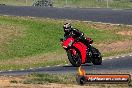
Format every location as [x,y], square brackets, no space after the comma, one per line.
[78,53]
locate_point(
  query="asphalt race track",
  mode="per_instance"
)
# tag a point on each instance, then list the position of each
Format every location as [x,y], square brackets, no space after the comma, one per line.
[117,64]
[96,15]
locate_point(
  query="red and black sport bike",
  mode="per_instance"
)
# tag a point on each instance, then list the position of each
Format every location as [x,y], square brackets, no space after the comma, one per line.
[78,53]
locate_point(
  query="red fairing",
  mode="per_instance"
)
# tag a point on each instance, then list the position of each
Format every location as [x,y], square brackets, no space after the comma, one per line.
[82,48]
[66,42]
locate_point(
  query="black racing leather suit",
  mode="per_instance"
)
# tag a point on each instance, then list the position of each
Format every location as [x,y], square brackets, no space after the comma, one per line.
[76,34]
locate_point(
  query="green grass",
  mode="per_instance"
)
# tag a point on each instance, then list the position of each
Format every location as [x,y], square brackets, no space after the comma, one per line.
[17,2]
[42,78]
[79,3]
[37,78]
[93,3]
[75,3]
[43,37]
[38,37]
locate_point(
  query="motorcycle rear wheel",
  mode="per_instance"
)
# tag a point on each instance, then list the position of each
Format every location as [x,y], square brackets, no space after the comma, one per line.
[96,57]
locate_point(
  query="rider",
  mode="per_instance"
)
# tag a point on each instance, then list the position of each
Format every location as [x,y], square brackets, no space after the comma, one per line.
[69,30]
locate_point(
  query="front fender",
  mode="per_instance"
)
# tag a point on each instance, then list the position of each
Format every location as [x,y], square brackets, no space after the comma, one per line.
[82,49]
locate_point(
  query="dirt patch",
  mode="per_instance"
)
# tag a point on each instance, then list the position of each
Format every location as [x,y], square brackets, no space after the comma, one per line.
[125,32]
[106,26]
[116,46]
[5,81]
[60,86]
[19,85]
[7,32]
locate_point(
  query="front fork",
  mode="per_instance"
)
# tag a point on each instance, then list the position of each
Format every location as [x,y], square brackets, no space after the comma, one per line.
[74,51]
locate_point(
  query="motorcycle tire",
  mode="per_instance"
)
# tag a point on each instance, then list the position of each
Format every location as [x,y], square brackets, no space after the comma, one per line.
[74,60]
[96,57]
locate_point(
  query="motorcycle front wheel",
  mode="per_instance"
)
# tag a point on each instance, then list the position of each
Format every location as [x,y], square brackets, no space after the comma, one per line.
[75,60]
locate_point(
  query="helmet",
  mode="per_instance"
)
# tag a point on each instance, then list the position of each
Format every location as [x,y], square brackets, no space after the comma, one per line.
[67,27]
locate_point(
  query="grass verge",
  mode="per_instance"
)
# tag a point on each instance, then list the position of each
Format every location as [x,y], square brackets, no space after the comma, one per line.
[69,79]
[36,78]
[17,2]
[32,42]
[75,3]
